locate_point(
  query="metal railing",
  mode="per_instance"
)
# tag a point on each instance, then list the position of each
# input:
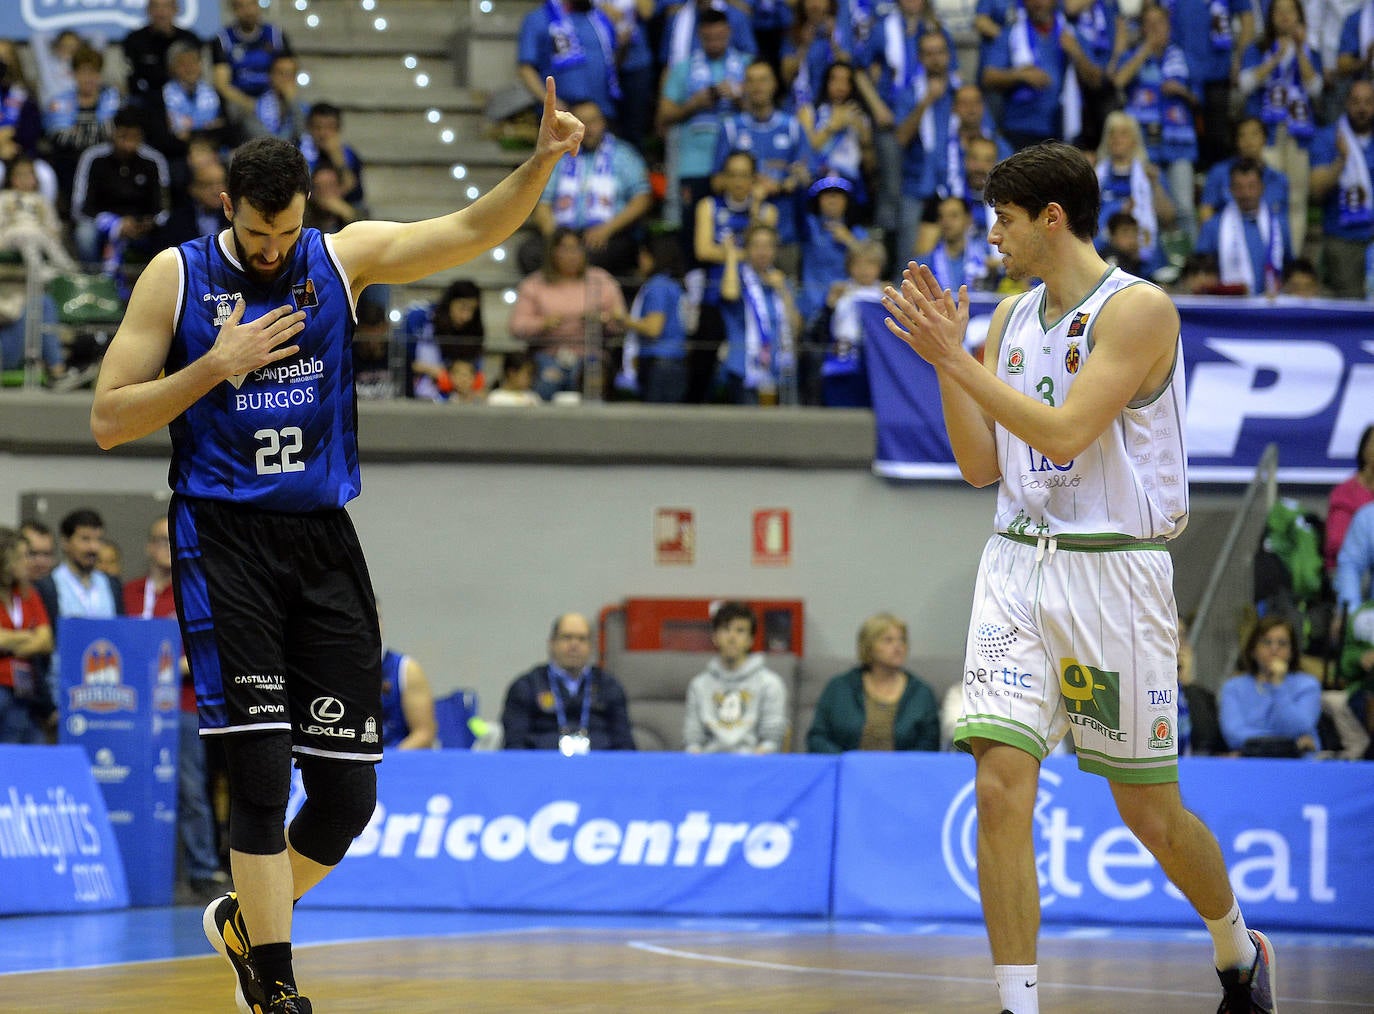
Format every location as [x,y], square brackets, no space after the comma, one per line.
[1227,602]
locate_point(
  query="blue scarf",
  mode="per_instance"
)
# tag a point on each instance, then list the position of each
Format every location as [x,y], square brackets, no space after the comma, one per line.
[699,77]
[1163,118]
[767,342]
[1285,99]
[976,255]
[567,47]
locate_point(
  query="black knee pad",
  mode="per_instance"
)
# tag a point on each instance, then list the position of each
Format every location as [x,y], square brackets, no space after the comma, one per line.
[259,787]
[340,796]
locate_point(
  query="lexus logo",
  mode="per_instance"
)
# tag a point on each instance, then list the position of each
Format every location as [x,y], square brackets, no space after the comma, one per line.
[326,709]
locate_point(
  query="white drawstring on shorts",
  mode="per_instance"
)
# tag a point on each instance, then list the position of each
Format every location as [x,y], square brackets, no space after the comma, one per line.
[1042,541]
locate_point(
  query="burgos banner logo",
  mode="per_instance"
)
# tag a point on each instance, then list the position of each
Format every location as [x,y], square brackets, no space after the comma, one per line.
[1100,859]
[557,833]
[102,689]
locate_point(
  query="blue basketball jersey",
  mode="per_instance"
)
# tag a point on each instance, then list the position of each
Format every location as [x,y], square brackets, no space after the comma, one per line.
[283,437]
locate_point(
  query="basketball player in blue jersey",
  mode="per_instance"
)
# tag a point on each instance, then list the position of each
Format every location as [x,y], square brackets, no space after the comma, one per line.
[239,343]
[1077,408]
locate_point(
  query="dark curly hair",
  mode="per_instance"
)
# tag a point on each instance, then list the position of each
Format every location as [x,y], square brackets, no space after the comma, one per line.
[1044,174]
[268,173]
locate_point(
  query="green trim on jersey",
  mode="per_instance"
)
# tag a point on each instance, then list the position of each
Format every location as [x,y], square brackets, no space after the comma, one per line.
[1154,396]
[1040,312]
[1091,542]
[1011,309]
[1146,402]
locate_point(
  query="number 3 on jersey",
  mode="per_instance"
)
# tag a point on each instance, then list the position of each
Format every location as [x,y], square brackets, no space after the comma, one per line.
[280,450]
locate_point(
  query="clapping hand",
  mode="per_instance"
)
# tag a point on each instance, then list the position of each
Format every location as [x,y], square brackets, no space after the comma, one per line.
[929,319]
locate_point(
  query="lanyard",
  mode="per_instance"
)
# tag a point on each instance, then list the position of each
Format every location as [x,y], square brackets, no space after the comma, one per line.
[88,599]
[149,598]
[558,702]
[16,611]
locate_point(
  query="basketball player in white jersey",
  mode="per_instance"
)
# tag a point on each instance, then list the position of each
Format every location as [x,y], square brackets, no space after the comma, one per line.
[1077,409]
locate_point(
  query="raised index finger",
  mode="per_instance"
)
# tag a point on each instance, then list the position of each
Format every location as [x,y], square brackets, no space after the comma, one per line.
[550,98]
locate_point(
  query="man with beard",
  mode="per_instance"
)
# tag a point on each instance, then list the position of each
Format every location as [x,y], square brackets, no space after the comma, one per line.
[77,586]
[1342,155]
[980,154]
[240,344]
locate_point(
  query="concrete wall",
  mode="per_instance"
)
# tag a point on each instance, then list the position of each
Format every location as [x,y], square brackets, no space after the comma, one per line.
[481,524]
[473,560]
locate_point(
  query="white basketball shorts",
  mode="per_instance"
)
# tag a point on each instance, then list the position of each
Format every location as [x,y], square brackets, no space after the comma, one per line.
[1081,639]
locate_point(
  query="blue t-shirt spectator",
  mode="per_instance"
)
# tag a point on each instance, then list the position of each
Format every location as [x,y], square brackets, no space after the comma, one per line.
[576,49]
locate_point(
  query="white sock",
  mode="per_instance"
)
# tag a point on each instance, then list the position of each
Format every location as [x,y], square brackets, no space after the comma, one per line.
[1232,946]
[1016,985]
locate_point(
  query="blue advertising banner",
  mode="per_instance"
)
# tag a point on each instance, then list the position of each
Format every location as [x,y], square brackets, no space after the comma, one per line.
[119,697]
[1299,373]
[1295,835]
[57,850]
[107,20]
[537,831]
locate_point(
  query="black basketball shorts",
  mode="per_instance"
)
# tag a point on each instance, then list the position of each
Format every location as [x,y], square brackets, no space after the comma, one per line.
[279,625]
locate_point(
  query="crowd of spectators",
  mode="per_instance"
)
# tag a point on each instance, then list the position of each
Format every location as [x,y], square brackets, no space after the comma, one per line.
[113,149]
[1233,146]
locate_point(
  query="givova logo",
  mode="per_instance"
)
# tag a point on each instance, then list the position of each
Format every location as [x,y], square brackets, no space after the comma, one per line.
[1073,860]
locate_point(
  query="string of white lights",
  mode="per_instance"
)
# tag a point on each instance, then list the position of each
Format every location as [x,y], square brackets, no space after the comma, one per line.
[433,115]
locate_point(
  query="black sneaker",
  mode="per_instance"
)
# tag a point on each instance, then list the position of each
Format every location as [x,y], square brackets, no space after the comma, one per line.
[285,1000]
[1251,990]
[224,928]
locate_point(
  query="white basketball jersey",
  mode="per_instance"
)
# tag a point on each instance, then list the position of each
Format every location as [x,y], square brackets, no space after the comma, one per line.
[1133,480]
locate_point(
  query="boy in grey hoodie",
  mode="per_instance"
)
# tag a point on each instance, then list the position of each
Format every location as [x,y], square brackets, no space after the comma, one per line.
[738,705]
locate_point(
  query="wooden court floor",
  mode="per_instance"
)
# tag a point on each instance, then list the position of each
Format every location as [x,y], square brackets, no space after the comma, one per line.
[644,968]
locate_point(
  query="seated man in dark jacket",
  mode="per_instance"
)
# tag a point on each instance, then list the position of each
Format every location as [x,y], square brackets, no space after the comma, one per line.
[567,704]
[120,196]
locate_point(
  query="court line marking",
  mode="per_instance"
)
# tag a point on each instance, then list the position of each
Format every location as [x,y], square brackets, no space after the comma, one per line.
[671,952]
[456,934]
